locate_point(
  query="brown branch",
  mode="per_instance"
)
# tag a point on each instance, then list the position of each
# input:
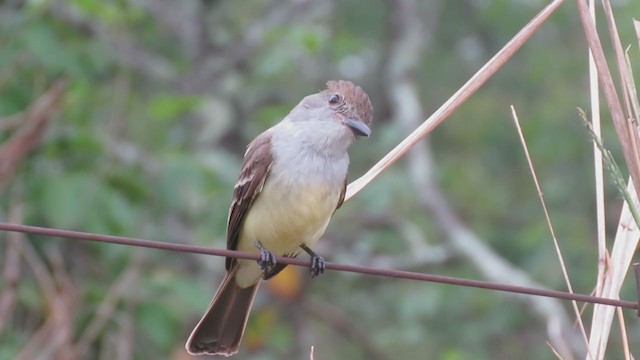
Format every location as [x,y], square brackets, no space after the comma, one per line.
[66,301]
[106,309]
[11,122]
[43,277]
[54,335]
[28,136]
[125,338]
[11,271]
[29,350]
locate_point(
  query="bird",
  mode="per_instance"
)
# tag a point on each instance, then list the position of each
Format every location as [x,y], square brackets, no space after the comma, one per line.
[292,180]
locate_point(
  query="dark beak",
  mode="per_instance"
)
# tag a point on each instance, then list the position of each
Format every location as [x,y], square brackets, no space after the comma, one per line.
[358,127]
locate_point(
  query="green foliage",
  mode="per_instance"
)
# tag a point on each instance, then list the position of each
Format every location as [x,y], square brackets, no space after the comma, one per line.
[171,106]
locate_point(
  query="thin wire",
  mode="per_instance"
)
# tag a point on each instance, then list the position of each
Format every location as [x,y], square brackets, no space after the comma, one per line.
[399,274]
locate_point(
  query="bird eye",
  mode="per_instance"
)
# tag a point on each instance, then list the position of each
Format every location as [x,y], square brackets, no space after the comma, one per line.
[334,99]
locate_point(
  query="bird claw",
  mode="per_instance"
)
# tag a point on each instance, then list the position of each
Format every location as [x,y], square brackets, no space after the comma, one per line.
[317,266]
[267,261]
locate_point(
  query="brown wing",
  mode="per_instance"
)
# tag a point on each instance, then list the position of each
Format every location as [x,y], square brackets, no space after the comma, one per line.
[254,172]
[342,194]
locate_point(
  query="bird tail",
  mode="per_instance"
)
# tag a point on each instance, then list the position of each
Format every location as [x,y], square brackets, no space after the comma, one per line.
[220,330]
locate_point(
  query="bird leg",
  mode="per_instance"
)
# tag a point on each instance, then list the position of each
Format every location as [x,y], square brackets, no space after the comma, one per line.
[317,262]
[267,261]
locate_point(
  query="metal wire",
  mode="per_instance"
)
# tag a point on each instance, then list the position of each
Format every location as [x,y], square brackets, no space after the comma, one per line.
[398,274]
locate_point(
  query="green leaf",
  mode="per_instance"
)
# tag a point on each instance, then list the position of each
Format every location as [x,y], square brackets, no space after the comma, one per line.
[67,199]
[153,320]
[170,106]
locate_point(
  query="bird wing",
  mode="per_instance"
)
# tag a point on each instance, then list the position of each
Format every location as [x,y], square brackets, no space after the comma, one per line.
[255,170]
[342,194]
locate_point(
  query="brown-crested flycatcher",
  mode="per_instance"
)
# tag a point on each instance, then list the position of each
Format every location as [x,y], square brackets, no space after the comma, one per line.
[293,178]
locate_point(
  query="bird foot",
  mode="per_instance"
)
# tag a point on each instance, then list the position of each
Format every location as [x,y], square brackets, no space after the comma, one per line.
[317,266]
[267,261]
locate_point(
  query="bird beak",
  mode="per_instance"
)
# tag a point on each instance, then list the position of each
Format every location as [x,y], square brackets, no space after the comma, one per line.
[358,127]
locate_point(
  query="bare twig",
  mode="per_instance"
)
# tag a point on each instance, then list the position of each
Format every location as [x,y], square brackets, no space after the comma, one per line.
[28,136]
[563,267]
[40,336]
[66,300]
[106,308]
[11,122]
[11,270]
[11,276]
[55,332]
[126,335]
[554,351]
[468,89]
[625,337]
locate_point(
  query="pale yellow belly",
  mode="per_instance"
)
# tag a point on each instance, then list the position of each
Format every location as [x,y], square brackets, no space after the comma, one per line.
[282,220]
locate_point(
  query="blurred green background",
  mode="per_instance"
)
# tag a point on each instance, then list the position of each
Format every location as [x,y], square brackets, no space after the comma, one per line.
[161,99]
